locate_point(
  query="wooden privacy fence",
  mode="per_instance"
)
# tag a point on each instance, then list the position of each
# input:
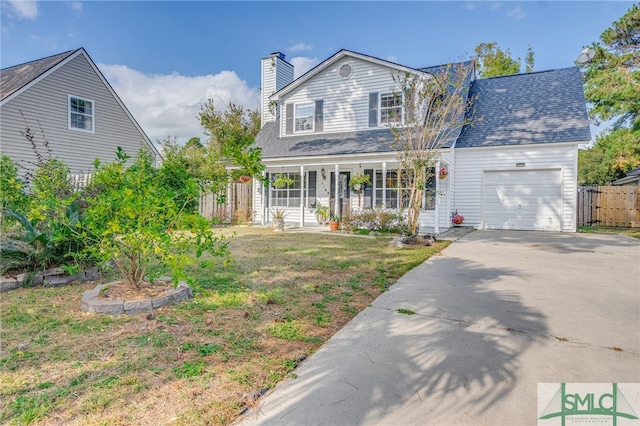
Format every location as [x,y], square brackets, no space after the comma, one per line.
[234,207]
[617,206]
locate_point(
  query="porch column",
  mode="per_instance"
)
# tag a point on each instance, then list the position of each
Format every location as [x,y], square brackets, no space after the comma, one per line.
[303,195]
[263,193]
[384,185]
[336,183]
[436,228]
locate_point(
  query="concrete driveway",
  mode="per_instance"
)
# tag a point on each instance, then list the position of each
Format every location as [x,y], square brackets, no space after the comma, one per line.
[497,313]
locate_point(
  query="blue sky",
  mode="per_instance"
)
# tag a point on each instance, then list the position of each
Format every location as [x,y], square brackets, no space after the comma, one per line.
[165,59]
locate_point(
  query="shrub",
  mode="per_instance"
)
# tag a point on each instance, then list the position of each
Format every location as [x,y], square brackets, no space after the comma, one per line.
[376,219]
[138,222]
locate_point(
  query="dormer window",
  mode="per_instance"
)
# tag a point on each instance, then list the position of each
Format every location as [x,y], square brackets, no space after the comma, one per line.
[304,114]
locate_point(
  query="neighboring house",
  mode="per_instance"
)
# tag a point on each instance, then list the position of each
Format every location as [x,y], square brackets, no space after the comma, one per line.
[66,98]
[514,169]
[631,178]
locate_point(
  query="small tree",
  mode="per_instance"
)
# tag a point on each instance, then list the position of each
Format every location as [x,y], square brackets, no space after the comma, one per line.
[493,61]
[231,135]
[435,108]
[138,222]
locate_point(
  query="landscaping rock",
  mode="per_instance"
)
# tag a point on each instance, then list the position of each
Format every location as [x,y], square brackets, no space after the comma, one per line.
[137,306]
[92,303]
[7,284]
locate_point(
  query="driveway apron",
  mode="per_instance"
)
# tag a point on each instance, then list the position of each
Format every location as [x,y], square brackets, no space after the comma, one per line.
[494,315]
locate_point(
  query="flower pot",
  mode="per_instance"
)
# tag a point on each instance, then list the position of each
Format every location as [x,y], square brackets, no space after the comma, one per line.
[443,175]
[333,226]
[278,224]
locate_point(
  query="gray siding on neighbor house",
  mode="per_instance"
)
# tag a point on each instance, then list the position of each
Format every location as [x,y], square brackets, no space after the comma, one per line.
[45,107]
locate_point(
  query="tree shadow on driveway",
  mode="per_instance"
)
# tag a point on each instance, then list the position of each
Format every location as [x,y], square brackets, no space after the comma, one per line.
[457,355]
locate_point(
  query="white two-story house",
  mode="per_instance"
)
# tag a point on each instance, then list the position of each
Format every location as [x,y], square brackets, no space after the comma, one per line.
[515,168]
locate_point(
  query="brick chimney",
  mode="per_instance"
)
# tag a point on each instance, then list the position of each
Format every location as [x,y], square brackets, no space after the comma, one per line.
[275,74]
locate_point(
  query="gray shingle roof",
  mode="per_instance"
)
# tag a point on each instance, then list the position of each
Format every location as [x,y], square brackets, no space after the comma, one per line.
[16,77]
[534,108]
[369,141]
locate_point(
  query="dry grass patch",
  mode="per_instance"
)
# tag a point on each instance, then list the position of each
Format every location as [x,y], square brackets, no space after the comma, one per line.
[199,362]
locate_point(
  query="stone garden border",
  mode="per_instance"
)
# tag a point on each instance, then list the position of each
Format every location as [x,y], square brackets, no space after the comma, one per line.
[93,304]
[53,277]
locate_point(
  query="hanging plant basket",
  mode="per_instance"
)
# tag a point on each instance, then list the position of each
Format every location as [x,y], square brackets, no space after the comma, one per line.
[443,173]
[282,181]
[358,182]
[457,219]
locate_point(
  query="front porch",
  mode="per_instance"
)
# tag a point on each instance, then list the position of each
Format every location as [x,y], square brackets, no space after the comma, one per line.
[328,184]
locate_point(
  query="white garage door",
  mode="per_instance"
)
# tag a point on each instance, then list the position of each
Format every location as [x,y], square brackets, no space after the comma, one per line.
[522,199]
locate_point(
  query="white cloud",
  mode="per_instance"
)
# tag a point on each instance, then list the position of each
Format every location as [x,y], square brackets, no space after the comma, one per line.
[516,13]
[302,64]
[496,6]
[168,105]
[21,9]
[75,5]
[299,47]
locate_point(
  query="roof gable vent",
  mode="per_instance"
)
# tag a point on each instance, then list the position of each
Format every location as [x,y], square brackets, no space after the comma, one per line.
[345,71]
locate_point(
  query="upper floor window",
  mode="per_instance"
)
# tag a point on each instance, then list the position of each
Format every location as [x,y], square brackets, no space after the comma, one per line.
[81,114]
[390,108]
[304,117]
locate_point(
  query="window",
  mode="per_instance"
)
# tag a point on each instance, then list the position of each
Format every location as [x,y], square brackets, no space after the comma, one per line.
[81,114]
[390,108]
[397,190]
[304,118]
[289,196]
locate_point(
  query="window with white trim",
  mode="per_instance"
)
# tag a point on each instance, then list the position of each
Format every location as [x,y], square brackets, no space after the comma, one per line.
[289,196]
[81,114]
[397,190]
[304,114]
[390,108]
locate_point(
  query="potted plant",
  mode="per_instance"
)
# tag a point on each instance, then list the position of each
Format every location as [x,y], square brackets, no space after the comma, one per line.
[457,219]
[278,219]
[334,222]
[282,181]
[443,173]
[322,212]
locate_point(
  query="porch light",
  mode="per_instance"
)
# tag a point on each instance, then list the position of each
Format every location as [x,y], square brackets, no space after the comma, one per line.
[323,174]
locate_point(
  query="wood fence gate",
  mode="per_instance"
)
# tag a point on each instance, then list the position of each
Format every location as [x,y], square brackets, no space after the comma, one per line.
[234,206]
[617,206]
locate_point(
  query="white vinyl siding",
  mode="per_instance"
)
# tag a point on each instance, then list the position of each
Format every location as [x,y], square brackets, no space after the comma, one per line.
[275,74]
[473,164]
[45,106]
[346,105]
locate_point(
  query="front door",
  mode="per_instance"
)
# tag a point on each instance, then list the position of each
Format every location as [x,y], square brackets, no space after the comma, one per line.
[343,192]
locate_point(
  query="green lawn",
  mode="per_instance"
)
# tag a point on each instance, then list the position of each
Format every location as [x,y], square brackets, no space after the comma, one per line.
[200,362]
[632,232]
